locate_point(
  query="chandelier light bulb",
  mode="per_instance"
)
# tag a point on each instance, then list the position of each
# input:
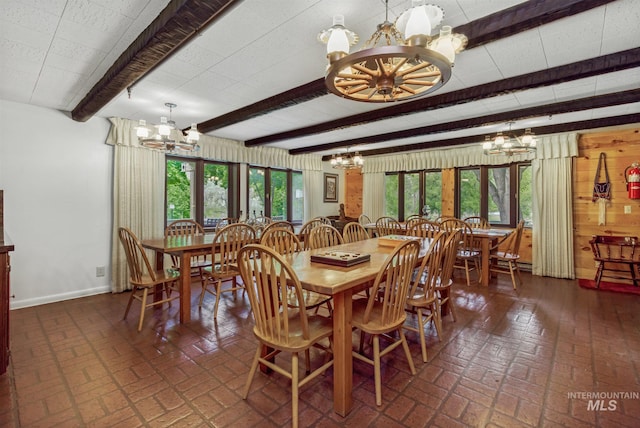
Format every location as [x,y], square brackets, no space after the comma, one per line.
[164,129]
[499,139]
[141,130]
[418,25]
[444,44]
[192,134]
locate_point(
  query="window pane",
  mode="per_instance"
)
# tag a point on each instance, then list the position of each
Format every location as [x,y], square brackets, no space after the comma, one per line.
[391,195]
[180,190]
[499,196]
[297,204]
[432,194]
[525,195]
[411,194]
[256,192]
[216,193]
[278,195]
[469,186]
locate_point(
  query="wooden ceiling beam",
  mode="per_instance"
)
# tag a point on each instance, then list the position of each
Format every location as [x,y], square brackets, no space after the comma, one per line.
[587,103]
[501,24]
[175,26]
[541,130]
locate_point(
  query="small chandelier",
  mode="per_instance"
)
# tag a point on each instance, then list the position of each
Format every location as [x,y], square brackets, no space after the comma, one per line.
[347,160]
[509,144]
[163,138]
[416,65]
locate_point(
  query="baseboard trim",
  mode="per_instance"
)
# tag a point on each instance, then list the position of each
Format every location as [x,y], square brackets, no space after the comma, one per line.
[53,298]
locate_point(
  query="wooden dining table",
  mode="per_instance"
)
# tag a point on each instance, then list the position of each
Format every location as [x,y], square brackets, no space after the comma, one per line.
[186,247]
[487,238]
[342,283]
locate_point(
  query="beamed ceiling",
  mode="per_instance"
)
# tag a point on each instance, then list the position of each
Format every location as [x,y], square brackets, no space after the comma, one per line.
[252,70]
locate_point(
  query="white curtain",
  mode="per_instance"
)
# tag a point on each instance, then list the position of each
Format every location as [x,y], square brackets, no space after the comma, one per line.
[138,194]
[373,195]
[313,191]
[551,178]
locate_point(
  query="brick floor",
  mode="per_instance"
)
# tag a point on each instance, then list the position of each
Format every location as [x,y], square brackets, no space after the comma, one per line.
[512,359]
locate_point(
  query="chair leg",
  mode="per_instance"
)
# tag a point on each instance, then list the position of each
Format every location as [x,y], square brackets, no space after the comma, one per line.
[437,319]
[131,297]
[466,272]
[294,390]
[423,343]
[252,372]
[407,352]
[307,360]
[376,369]
[218,293]
[143,307]
[518,272]
[203,284]
[513,276]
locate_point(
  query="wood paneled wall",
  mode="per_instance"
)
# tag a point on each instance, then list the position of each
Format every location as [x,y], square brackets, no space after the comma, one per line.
[622,147]
[353,193]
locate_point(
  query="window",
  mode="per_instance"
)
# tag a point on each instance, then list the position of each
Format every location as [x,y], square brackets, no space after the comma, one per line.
[502,194]
[285,198]
[200,190]
[416,192]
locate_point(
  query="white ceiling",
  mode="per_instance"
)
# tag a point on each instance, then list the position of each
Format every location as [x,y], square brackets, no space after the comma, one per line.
[54,51]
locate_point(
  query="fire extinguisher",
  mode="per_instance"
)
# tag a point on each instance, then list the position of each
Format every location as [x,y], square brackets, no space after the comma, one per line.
[632,177]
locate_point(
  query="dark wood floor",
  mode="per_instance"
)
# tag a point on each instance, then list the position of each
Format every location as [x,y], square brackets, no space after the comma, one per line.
[513,358]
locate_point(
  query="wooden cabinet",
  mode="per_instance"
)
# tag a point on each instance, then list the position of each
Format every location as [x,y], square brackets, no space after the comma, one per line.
[5,268]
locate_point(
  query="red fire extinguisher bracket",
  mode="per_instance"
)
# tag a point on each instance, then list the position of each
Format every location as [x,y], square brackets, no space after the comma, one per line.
[632,178]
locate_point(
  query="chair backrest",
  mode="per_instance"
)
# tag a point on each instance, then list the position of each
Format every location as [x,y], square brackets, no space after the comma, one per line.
[227,243]
[223,222]
[387,226]
[477,222]
[324,220]
[450,225]
[391,286]
[413,219]
[364,219]
[423,229]
[428,273]
[267,277]
[353,232]
[511,243]
[184,228]
[281,224]
[137,259]
[448,260]
[324,236]
[282,240]
[306,229]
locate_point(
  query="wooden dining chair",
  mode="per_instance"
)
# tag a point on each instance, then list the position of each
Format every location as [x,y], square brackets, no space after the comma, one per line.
[224,250]
[279,327]
[423,299]
[353,232]
[305,230]
[364,219]
[143,277]
[224,222]
[388,226]
[384,311]
[423,229]
[469,255]
[506,253]
[324,236]
[445,276]
[477,222]
[184,228]
[282,224]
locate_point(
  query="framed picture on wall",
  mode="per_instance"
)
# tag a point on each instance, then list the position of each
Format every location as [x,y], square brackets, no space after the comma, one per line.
[330,187]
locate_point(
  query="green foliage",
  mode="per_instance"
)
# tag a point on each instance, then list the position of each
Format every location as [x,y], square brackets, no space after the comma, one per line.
[433,193]
[469,192]
[178,191]
[391,195]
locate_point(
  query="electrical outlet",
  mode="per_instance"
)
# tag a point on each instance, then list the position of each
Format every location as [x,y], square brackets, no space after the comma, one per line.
[100,271]
[627,209]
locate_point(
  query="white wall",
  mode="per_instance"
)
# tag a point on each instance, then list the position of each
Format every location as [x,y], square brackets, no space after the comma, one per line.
[331,208]
[57,176]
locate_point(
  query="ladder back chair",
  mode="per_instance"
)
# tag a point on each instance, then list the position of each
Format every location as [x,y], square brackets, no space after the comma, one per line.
[143,277]
[423,300]
[282,224]
[324,236]
[354,232]
[279,327]
[383,312]
[477,222]
[506,253]
[224,250]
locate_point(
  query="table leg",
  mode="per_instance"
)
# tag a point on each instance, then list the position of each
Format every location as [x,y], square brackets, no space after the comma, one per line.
[342,361]
[484,261]
[185,287]
[158,290]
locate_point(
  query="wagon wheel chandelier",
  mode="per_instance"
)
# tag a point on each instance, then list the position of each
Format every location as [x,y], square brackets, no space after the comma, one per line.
[416,65]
